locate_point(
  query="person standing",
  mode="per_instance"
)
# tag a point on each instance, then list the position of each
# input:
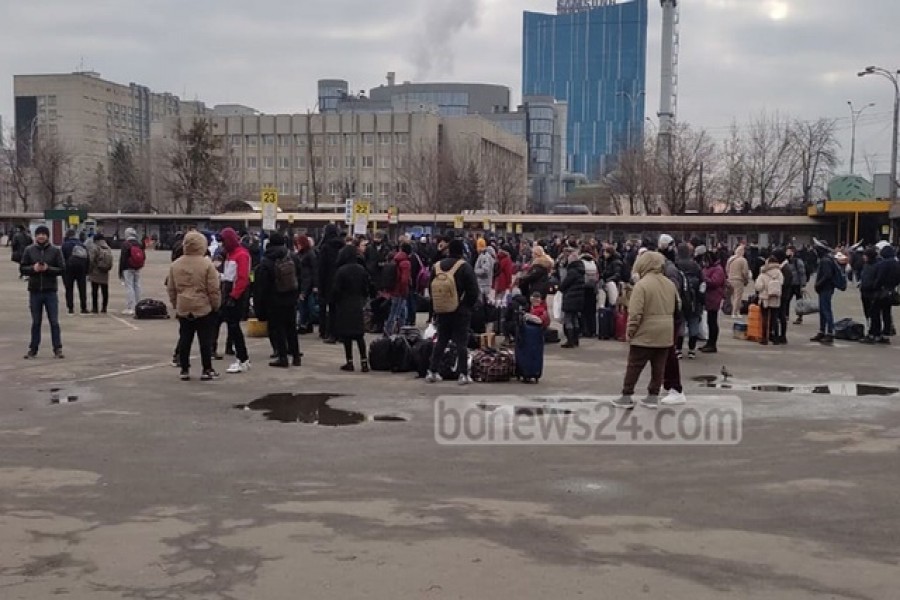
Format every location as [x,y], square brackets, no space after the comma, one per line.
[42,263]
[309,285]
[131,262]
[769,286]
[714,291]
[787,287]
[573,291]
[399,291]
[351,289]
[887,280]
[829,277]
[276,290]
[454,292]
[77,266]
[798,278]
[235,281]
[20,241]
[484,269]
[101,263]
[329,248]
[651,308]
[195,293]
[738,271]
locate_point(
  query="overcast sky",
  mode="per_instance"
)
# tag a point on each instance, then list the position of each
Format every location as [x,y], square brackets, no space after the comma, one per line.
[737,56]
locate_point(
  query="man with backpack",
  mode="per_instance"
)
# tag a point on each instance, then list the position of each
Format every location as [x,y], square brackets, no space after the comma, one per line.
[454,292]
[829,277]
[101,263]
[131,261]
[275,294]
[77,266]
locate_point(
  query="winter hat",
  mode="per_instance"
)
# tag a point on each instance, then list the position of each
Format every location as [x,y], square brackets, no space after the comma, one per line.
[480,244]
[665,240]
[882,245]
[699,251]
[871,253]
[230,238]
[276,239]
[130,234]
[779,255]
[456,248]
[42,229]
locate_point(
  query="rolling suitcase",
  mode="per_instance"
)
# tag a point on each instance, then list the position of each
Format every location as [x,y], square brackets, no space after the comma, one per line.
[530,353]
[621,325]
[606,323]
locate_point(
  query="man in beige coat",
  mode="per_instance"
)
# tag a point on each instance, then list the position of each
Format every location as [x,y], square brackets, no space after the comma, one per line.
[651,309]
[738,271]
[194,291]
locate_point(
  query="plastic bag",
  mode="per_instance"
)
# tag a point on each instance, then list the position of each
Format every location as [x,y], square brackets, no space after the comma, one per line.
[806,306]
[557,312]
[430,332]
[704,327]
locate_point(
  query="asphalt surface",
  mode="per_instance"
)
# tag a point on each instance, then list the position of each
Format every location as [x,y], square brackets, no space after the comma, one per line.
[148,487]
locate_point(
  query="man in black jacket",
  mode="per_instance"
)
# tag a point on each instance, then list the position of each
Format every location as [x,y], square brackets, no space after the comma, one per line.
[455,325]
[329,248]
[42,263]
[275,300]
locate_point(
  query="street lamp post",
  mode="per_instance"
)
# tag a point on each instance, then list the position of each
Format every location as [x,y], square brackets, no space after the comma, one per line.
[633,100]
[891,76]
[854,117]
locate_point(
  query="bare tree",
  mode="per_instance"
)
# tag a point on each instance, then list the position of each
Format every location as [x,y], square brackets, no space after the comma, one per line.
[505,181]
[52,164]
[99,197]
[680,178]
[772,162]
[197,173]
[634,179]
[18,176]
[421,176]
[733,177]
[816,147]
[128,186]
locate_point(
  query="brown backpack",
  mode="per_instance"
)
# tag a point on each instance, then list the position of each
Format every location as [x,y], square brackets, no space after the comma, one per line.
[444,295]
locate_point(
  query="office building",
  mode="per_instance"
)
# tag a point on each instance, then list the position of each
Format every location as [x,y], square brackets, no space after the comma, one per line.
[367,155]
[88,115]
[452,99]
[591,55]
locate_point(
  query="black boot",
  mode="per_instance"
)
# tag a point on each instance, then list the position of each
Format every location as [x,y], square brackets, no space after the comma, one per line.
[817,338]
[348,367]
[827,340]
[365,366]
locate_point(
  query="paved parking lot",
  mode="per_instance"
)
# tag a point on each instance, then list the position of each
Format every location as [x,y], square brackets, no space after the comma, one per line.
[148,487]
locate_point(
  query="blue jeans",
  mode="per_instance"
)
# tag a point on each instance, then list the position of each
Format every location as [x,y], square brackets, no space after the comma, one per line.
[38,302]
[826,315]
[397,317]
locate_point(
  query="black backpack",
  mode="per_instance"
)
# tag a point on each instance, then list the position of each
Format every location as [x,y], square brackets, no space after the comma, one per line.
[380,354]
[689,292]
[388,277]
[286,275]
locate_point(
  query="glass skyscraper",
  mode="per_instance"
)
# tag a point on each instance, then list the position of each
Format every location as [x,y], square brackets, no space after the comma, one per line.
[595,58]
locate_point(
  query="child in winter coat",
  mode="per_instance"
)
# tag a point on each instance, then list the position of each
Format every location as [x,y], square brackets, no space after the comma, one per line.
[769,286]
[539,313]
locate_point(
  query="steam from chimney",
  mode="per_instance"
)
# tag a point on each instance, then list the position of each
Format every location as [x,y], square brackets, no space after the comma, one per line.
[433,50]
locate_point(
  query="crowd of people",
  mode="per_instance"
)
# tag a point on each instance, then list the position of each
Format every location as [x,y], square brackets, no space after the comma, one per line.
[672,291]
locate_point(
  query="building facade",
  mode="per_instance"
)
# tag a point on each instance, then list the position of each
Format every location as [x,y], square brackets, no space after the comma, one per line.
[87,116]
[591,55]
[326,158]
[452,99]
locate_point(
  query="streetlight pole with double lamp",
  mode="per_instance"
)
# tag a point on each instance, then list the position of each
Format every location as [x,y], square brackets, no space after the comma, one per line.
[854,117]
[894,78]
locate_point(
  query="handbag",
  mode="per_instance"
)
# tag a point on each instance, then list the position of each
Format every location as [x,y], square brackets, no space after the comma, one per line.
[806,306]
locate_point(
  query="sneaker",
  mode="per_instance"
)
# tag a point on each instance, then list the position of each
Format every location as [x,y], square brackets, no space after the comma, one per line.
[365,366]
[867,340]
[679,355]
[217,356]
[432,377]
[297,361]
[239,367]
[623,401]
[127,312]
[31,354]
[817,338]
[280,364]
[827,340]
[185,375]
[348,367]
[71,313]
[798,321]
[884,340]
[464,380]
[692,355]
[673,398]
[708,350]
[58,353]
[209,376]
[650,401]
[176,363]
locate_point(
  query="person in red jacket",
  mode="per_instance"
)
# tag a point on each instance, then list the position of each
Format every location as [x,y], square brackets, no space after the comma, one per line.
[235,294]
[503,281]
[539,313]
[399,291]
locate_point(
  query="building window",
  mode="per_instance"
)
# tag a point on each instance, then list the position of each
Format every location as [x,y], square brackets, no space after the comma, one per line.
[333,139]
[368,162]
[401,138]
[251,162]
[384,188]
[385,162]
[317,140]
[332,162]
[284,140]
[268,162]
[384,139]
[349,162]
[350,141]
[368,190]
[399,162]
[235,189]
[268,185]
[252,186]
[334,189]
[402,188]
[316,162]
[235,162]
[300,162]
[298,188]
[368,139]
[268,140]
[54,130]
[300,139]
[235,140]
[51,114]
[252,140]
[51,100]
[284,162]
[284,188]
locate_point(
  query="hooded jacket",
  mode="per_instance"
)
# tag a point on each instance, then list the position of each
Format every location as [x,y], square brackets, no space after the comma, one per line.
[503,280]
[484,269]
[95,274]
[329,248]
[236,268]
[351,292]
[537,279]
[400,289]
[131,239]
[265,295]
[769,285]
[193,282]
[572,288]
[887,271]
[738,269]
[46,253]
[653,304]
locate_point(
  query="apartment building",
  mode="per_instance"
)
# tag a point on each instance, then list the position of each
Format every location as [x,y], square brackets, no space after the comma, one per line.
[350,155]
[88,115]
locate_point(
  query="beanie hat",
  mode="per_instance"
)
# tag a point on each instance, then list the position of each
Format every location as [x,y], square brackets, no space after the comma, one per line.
[699,251]
[276,239]
[456,248]
[98,237]
[665,240]
[480,244]
[42,229]
[230,238]
[130,234]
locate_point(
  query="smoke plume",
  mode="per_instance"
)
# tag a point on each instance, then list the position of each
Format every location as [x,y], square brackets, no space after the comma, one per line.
[443,19]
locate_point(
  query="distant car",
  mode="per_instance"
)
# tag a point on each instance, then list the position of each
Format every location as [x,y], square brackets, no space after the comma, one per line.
[570,209]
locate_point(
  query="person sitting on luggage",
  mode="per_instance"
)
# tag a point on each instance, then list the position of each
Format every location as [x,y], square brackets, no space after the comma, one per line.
[539,313]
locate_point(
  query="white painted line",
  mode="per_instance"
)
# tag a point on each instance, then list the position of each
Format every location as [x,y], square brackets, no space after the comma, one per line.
[126,323]
[125,372]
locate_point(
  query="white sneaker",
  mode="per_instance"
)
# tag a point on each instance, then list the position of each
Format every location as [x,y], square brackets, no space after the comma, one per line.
[239,367]
[433,377]
[464,380]
[127,312]
[673,398]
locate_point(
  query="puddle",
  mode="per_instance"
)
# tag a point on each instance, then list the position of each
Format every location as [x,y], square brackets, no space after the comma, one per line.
[312,409]
[847,388]
[61,396]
